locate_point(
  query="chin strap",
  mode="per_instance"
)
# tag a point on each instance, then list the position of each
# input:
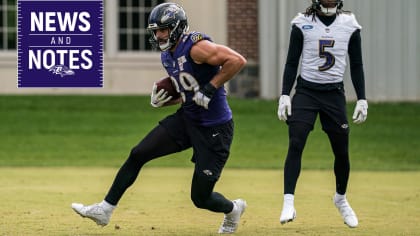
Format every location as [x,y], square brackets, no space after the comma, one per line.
[329,11]
[166,46]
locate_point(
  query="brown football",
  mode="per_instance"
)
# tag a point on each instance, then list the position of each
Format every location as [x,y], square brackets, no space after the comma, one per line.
[167,85]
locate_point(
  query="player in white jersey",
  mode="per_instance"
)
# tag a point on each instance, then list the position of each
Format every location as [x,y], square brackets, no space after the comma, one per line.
[323,36]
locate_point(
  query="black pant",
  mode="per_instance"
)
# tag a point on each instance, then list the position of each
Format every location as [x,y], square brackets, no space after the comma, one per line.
[331,106]
[174,134]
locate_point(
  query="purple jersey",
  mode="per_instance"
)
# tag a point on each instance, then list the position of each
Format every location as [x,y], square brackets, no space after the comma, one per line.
[189,75]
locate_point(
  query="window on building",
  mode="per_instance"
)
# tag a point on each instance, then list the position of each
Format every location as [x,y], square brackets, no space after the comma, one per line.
[8,24]
[133,15]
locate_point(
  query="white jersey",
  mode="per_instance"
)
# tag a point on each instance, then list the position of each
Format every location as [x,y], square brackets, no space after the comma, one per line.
[325,47]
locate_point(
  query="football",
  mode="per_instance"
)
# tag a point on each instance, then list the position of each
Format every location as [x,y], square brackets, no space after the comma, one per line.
[167,85]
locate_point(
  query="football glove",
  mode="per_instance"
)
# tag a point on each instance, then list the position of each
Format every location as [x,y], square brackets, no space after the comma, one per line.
[157,99]
[203,96]
[284,106]
[360,111]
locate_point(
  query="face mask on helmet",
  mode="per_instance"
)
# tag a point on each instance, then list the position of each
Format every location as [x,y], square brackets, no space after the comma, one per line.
[327,7]
[167,16]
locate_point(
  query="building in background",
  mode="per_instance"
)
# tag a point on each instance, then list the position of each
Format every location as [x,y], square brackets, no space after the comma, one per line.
[258,29]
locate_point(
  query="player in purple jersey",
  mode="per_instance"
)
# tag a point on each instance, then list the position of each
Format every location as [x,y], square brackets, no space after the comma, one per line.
[199,68]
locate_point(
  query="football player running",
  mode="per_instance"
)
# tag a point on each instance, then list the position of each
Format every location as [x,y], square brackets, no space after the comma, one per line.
[203,122]
[322,36]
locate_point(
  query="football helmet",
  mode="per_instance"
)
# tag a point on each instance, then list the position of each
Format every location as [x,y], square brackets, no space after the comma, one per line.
[327,9]
[167,16]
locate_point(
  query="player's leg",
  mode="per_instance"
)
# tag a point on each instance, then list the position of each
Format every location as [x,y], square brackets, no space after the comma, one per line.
[203,196]
[304,112]
[334,122]
[156,144]
[298,133]
[333,117]
[211,150]
[211,146]
[159,142]
[339,143]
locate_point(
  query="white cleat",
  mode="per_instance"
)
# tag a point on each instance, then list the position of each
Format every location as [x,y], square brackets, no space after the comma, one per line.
[94,212]
[288,214]
[349,217]
[231,220]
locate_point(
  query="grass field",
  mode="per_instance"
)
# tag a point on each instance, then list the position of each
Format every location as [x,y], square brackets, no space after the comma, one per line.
[101,130]
[55,150]
[36,201]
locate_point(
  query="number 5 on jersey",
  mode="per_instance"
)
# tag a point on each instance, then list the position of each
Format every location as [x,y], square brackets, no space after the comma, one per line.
[329,57]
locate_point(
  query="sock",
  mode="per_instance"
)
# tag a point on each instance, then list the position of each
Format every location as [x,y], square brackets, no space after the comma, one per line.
[289,199]
[339,197]
[235,207]
[107,207]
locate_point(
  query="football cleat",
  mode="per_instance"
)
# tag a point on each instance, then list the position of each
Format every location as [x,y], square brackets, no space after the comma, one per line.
[94,212]
[349,217]
[231,220]
[288,214]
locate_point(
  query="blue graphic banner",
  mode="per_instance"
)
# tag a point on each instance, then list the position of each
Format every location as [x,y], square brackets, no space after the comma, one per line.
[60,43]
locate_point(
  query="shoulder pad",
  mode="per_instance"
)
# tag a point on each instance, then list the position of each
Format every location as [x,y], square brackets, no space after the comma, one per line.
[300,19]
[350,20]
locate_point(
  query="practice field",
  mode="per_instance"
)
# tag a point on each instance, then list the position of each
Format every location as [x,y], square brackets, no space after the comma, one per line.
[101,130]
[55,150]
[36,201]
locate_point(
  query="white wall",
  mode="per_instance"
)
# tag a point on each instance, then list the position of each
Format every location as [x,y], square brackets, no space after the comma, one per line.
[391,35]
[207,16]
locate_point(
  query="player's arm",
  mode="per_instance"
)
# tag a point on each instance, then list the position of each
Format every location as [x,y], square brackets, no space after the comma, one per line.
[210,53]
[290,72]
[356,64]
[292,61]
[358,77]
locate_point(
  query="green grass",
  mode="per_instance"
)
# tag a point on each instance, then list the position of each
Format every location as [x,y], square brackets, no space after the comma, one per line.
[36,201]
[101,130]
[55,150]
